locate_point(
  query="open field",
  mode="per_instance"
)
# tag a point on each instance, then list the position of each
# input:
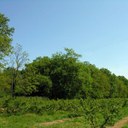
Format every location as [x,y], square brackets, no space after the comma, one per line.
[43,113]
[36,121]
[45,121]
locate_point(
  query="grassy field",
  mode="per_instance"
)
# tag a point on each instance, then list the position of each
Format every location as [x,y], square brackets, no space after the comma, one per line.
[42,113]
[58,120]
[37,121]
[126,126]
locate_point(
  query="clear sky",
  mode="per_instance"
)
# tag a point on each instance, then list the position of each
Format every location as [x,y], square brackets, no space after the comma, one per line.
[96,29]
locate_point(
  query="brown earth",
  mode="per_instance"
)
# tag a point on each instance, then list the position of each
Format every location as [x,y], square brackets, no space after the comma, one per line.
[121,123]
[53,122]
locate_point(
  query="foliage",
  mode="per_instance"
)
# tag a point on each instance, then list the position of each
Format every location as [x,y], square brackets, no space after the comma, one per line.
[101,113]
[5,37]
[61,76]
[70,78]
[18,59]
[97,113]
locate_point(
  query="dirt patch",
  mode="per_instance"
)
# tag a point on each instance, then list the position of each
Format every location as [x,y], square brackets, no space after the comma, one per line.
[53,122]
[121,123]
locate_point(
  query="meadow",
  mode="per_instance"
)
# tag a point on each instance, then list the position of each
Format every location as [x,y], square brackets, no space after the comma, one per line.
[34,112]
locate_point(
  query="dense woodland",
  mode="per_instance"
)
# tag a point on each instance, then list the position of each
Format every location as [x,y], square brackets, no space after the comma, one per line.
[61,76]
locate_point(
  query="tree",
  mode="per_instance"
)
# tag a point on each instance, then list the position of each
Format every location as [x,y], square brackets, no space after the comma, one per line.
[86,80]
[65,74]
[5,37]
[36,80]
[55,77]
[5,82]
[18,59]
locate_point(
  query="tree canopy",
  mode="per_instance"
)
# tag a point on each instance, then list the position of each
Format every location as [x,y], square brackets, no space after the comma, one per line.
[5,37]
[64,76]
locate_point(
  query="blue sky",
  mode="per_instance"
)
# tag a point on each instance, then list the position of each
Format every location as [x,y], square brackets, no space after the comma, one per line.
[96,29]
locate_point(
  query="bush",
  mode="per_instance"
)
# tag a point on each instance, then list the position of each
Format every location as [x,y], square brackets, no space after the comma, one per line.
[97,113]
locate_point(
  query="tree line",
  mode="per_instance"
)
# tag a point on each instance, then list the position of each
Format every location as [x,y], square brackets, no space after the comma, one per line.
[61,76]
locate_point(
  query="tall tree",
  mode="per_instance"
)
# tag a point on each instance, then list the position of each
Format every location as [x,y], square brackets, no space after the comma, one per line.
[18,59]
[5,37]
[36,78]
[64,74]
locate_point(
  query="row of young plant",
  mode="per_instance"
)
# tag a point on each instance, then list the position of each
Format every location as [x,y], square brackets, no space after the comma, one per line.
[102,113]
[97,113]
[38,105]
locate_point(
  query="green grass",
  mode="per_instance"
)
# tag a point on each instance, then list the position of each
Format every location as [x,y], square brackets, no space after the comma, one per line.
[126,126]
[30,120]
[22,112]
[71,123]
[36,121]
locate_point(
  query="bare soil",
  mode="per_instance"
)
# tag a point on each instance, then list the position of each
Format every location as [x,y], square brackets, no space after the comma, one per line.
[53,122]
[121,123]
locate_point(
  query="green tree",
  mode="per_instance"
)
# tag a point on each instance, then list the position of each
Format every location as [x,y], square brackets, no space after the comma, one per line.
[36,78]
[5,37]
[86,80]
[5,82]
[64,74]
[18,59]
[57,75]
